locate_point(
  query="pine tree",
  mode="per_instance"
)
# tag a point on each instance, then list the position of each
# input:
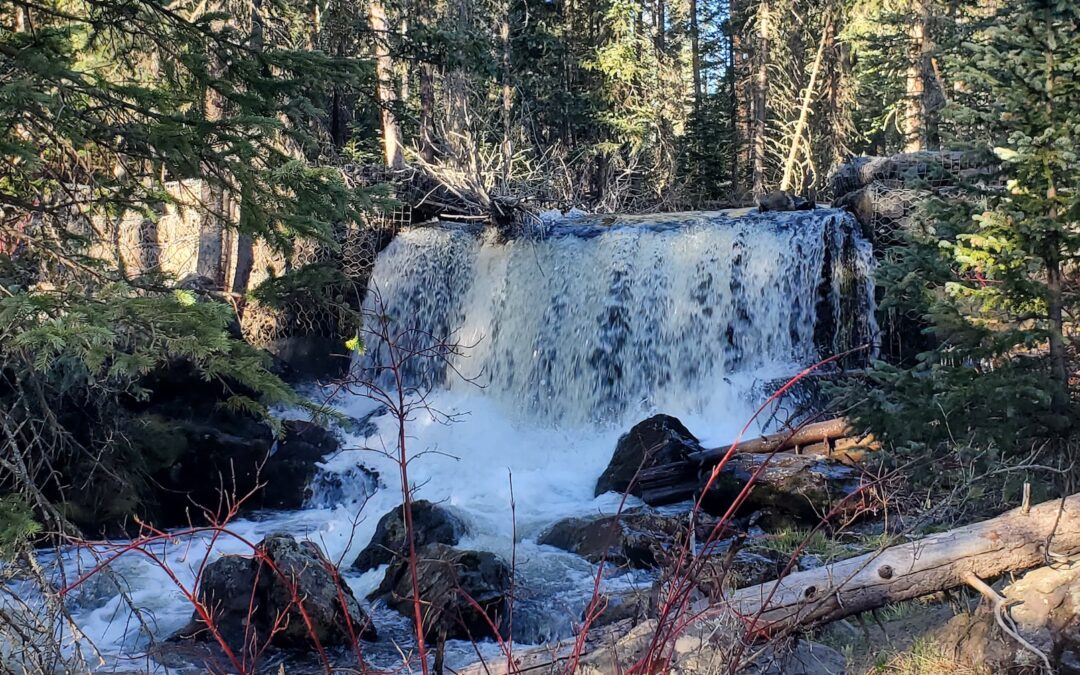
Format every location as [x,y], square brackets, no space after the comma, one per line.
[989,269]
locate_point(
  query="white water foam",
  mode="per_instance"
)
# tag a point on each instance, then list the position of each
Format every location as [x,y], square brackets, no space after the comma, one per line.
[577,335]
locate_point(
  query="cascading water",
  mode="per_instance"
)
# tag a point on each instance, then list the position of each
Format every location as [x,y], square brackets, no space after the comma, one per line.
[594,323]
[568,337]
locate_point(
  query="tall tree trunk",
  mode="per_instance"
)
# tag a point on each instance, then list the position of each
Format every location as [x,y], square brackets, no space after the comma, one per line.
[661,26]
[695,52]
[761,89]
[387,96]
[915,123]
[1059,371]
[507,95]
[212,224]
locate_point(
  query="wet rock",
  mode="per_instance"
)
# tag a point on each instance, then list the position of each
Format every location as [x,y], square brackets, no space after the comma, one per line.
[249,596]
[432,524]
[447,579]
[634,606]
[725,565]
[351,487]
[234,457]
[1045,607]
[661,439]
[638,538]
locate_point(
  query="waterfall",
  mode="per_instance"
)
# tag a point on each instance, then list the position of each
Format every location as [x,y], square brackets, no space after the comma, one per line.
[568,336]
[599,322]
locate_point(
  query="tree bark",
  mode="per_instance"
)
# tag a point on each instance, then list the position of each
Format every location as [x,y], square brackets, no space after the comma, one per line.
[784,440]
[695,52]
[804,110]
[507,95]
[915,122]
[761,88]
[1059,371]
[387,96]
[1014,541]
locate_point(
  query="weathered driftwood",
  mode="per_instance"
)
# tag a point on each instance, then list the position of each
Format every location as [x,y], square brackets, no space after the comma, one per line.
[1016,540]
[818,438]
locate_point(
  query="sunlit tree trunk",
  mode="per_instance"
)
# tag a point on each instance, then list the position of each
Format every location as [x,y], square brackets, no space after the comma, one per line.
[916,119]
[387,95]
[761,89]
[507,94]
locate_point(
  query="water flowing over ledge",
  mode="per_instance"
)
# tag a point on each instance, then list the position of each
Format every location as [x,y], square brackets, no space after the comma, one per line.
[603,319]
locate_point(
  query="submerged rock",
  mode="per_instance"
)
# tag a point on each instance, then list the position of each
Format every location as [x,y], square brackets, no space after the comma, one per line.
[638,538]
[448,579]
[661,439]
[255,601]
[432,524]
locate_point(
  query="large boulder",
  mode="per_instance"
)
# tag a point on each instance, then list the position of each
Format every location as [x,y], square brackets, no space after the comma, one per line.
[256,600]
[448,579]
[432,524]
[637,538]
[235,457]
[661,439]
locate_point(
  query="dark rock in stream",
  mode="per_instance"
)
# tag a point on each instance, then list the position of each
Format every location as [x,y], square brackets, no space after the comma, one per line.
[637,538]
[432,524]
[661,439]
[448,579]
[249,596]
[233,457]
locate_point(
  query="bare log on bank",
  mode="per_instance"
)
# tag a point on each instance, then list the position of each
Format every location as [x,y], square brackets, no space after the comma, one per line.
[1014,541]
[1017,540]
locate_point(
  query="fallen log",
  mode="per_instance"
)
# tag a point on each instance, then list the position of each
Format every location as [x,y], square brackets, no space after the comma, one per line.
[818,438]
[803,485]
[1014,541]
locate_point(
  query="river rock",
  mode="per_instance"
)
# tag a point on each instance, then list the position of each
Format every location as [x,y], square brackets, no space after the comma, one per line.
[637,538]
[1044,606]
[447,578]
[432,524]
[248,595]
[661,439]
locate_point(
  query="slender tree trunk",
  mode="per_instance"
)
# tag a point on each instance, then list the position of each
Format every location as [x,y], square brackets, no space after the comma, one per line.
[507,95]
[661,26]
[695,52]
[761,88]
[384,71]
[804,110]
[915,122]
[427,92]
[212,224]
[1059,371]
